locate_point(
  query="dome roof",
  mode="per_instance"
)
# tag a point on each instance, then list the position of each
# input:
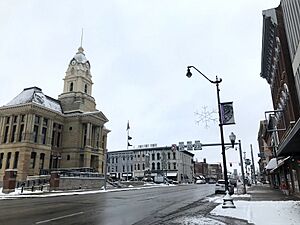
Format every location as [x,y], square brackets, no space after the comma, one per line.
[80,56]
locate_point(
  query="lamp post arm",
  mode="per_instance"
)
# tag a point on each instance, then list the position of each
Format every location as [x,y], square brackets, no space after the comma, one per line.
[217,81]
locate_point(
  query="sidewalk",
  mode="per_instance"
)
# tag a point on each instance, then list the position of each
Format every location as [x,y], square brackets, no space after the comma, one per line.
[263,192]
[262,205]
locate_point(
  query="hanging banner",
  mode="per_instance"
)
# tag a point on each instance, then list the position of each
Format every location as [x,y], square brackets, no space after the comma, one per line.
[227,116]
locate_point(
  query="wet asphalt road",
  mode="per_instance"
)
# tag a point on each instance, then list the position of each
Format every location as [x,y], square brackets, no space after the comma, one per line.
[144,206]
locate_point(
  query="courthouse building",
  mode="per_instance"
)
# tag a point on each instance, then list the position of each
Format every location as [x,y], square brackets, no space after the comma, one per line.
[39,133]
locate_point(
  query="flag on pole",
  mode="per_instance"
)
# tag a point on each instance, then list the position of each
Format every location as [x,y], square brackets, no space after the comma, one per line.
[128,144]
[128,127]
[129,138]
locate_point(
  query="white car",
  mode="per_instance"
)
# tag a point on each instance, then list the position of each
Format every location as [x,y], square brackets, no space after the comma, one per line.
[200,181]
[220,187]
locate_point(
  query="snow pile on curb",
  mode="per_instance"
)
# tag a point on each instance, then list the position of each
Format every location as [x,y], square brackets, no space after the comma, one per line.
[263,212]
[196,220]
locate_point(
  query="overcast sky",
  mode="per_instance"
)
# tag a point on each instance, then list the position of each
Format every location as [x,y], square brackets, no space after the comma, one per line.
[139,51]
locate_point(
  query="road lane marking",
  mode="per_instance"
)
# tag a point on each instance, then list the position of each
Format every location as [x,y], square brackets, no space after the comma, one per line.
[59,218]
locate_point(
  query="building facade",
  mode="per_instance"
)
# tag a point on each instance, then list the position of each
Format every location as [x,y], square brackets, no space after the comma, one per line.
[39,133]
[153,161]
[279,65]
[210,172]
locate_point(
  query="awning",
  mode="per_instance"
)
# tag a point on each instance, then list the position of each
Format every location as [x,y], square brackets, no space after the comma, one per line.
[291,144]
[280,163]
[171,174]
[271,164]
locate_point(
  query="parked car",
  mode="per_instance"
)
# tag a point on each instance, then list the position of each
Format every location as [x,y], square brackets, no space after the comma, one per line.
[147,179]
[220,187]
[211,181]
[200,181]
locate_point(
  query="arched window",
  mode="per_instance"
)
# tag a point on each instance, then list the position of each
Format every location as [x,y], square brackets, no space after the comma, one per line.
[42,160]
[158,156]
[158,166]
[71,86]
[153,166]
[138,167]
[85,88]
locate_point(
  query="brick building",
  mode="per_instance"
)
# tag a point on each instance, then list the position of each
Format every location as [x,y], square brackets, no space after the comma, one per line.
[280,67]
[151,161]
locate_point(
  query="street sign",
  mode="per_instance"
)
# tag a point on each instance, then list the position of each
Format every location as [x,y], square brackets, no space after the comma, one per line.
[198,145]
[181,146]
[189,145]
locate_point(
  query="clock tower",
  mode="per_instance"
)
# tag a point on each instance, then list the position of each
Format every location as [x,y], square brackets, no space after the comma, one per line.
[77,92]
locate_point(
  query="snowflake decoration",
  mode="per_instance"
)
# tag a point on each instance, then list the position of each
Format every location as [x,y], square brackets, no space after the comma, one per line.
[206,116]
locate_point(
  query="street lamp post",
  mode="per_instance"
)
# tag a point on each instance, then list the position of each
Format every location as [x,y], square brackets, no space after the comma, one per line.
[216,82]
[242,167]
[232,138]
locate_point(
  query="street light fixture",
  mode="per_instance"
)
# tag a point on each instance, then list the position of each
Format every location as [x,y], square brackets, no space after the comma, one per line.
[216,82]
[232,138]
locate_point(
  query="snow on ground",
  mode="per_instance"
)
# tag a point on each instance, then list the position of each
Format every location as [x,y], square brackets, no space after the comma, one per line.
[257,212]
[42,194]
[263,212]
[196,220]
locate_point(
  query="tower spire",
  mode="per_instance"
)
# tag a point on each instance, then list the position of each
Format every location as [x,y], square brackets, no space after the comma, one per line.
[81,37]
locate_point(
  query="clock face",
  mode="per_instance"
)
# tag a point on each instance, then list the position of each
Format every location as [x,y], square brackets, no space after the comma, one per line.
[39,98]
[73,62]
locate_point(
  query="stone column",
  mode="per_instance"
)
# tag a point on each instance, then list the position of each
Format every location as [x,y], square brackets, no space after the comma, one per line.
[2,121]
[88,134]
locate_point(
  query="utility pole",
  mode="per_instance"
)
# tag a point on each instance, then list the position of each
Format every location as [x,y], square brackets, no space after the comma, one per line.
[245,163]
[242,167]
[253,168]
